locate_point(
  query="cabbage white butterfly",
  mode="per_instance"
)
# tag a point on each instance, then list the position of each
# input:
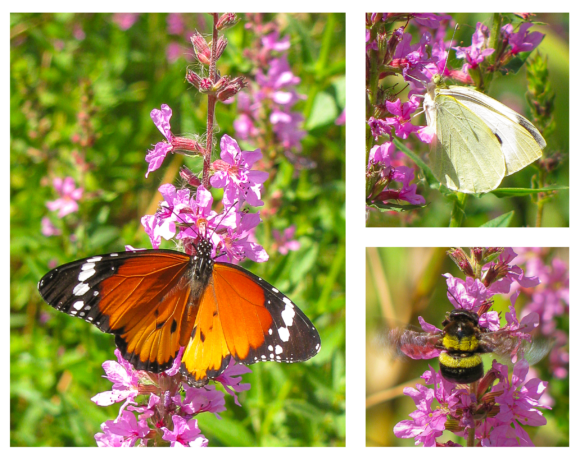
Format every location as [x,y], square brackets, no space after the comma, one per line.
[478,139]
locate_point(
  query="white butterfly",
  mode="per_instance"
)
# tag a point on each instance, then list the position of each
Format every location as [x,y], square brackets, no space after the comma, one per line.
[478,140]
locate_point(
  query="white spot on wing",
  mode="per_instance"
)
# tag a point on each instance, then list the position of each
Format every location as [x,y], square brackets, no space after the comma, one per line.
[275,290]
[94,259]
[78,305]
[87,272]
[114,254]
[81,289]
[270,347]
[279,349]
[288,313]
[269,331]
[284,334]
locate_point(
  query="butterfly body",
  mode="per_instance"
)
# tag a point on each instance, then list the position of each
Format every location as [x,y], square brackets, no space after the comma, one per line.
[157,301]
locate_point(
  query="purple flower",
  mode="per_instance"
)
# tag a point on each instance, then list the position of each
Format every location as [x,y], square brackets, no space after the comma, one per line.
[156,156]
[473,54]
[69,195]
[125,20]
[175,24]
[522,41]
[341,120]
[184,434]
[235,176]
[508,274]
[284,241]
[125,431]
[48,228]
[469,294]
[231,381]
[204,399]
[278,79]
[236,241]
[173,52]
[125,383]
[286,127]
[427,424]
[271,42]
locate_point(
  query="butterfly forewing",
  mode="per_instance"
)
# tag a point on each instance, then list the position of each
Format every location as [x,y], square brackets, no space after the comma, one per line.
[140,296]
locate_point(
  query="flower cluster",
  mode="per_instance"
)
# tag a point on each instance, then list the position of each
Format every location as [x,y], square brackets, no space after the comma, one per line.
[492,415]
[187,217]
[383,170]
[391,52]
[160,406]
[269,101]
[551,302]
[67,203]
[496,416]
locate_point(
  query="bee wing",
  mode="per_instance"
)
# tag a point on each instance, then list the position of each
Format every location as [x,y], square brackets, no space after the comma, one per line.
[415,345]
[509,347]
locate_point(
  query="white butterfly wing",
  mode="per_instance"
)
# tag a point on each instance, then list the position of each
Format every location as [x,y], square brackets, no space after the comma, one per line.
[467,155]
[521,143]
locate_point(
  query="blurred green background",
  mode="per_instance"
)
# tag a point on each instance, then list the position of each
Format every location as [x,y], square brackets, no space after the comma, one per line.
[82,88]
[403,284]
[510,90]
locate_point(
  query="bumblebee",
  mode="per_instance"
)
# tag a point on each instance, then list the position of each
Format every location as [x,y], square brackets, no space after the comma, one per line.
[460,344]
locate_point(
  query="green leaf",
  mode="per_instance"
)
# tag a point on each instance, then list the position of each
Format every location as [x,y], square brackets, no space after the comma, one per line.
[501,221]
[324,111]
[429,176]
[506,192]
[395,207]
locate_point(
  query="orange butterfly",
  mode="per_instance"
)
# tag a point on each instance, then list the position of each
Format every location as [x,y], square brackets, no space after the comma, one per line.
[157,301]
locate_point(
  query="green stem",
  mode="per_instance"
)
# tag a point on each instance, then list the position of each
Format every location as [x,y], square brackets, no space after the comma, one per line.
[540,199]
[458,210]
[471,431]
[211,102]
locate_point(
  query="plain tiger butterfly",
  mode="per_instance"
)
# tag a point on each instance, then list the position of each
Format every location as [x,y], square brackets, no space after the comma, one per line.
[157,301]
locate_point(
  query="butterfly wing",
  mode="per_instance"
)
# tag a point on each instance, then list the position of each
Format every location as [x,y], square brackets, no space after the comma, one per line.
[244,316]
[467,155]
[139,296]
[521,142]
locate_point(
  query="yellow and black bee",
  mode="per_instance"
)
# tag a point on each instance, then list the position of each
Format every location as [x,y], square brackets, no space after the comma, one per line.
[460,344]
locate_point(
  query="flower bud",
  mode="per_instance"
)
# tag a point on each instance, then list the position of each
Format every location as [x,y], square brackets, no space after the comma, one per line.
[206,86]
[193,78]
[200,48]
[186,145]
[226,21]
[221,46]
[232,88]
[458,256]
[189,177]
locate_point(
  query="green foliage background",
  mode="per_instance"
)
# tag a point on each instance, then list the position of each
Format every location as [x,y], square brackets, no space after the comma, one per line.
[510,90]
[103,88]
[403,284]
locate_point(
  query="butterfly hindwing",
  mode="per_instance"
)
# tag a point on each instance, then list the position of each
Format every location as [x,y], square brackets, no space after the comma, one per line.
[139,296]
[260,323]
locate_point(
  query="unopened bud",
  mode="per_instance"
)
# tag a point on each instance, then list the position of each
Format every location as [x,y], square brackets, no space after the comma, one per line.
[186,145]
[232,88]
[189,177]
[221,46]
[193,78]
[200,48]
[458,256]
[226,21]
[206,86]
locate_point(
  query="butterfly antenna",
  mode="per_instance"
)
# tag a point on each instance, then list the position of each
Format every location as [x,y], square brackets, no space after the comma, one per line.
[449,49]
